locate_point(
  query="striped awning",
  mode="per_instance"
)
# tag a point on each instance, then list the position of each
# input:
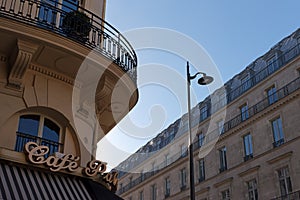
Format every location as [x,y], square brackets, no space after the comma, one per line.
[24,183]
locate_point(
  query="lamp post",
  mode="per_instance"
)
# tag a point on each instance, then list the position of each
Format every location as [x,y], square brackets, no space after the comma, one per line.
[204,80]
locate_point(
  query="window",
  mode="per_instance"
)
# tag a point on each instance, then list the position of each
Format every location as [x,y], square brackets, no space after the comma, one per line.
[203,113]
[201,170]
[277,132]
[223,99]
[141,195]
[248,147]
[153,192]
[167,187]
[245,83]
[48,10]
[142,175]
[38,129]
[244,112]
[221,126]
[200,139]
[183,178]
[223,160]
[153,167]
[225,195]
[272,64]
[252,190]
[168,160]
[130,181]
[121,187]
[284,181]
[183,150]
[272,95]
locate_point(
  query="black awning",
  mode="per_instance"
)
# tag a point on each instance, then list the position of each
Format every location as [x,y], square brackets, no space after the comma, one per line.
[25,183]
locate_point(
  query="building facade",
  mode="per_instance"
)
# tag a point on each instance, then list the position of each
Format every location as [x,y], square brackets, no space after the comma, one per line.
[66,78]
[250,153]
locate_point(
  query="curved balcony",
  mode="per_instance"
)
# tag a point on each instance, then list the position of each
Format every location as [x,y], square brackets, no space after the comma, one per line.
[91,31]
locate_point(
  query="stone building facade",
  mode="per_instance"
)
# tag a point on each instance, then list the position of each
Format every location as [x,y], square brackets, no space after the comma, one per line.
[52,54]
[252,152]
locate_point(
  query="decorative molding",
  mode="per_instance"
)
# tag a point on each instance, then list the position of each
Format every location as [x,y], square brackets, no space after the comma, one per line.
[51,74]
[280,157]
[19,61]
[203,190]
[228,180]
[249,171]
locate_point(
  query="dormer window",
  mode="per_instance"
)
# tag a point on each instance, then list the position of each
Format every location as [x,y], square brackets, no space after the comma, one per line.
[245,83]
[39,129]
[272,64]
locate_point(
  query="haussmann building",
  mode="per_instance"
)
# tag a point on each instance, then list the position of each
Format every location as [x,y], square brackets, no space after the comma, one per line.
[67,77]
[252,153]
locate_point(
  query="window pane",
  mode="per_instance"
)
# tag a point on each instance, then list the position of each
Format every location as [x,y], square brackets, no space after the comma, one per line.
[50,131]
[70,5]
[29,124]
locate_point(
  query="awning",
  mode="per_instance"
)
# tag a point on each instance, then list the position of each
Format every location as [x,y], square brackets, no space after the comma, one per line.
[25,183]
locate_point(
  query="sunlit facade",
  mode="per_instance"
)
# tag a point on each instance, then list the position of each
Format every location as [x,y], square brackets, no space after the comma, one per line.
[49,124]
[255,153]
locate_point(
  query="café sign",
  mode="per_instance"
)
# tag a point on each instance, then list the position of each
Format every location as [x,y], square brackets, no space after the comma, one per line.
[37,155]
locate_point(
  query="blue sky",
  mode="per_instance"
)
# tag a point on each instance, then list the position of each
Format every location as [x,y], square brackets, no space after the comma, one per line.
[233,33]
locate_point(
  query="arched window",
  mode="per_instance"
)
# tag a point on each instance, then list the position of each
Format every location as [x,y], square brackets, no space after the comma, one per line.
[39,129]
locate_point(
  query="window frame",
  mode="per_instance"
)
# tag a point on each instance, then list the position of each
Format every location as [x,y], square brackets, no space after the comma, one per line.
[225,194]
[272,95]
[203,112]
[167,186]
[248,146]
[287,180]
[252,191]
[277,131]
[223,159]
[201,169]
[201,138]
[183,178]
[153,192]
[244,112]
[39,138]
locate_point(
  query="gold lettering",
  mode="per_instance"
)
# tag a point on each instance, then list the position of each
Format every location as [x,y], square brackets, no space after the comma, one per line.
[36,155]
[112,179]
[94,167]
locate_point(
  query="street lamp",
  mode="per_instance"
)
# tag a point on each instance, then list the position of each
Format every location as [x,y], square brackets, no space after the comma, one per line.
[204,80]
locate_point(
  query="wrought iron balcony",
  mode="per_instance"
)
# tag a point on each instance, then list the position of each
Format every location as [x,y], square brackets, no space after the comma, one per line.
[74,22]
[290,196]
[278,142]
[23,138]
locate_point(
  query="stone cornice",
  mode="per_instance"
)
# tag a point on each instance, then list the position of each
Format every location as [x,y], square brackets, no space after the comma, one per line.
[51,74]
[280,157]
[249,171]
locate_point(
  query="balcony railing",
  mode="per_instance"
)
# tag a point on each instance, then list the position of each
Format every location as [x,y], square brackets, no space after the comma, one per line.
[290,196]
[262,105]
[23,138]
[101,36]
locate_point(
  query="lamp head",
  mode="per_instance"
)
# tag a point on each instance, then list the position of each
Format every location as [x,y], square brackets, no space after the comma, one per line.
[205,80]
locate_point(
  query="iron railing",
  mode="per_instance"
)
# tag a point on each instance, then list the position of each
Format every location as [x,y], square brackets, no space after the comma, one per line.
[23,138]
[260,106]
[290,196]
[101,36]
